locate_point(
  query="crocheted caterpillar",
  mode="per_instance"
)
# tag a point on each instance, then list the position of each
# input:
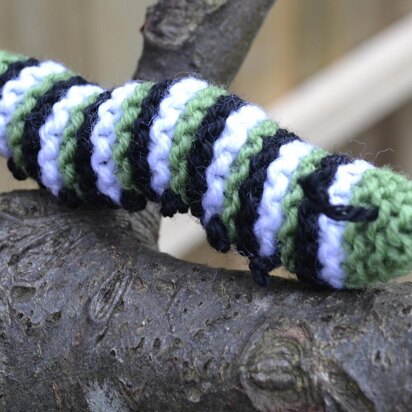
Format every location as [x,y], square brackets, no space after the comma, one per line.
[187,144]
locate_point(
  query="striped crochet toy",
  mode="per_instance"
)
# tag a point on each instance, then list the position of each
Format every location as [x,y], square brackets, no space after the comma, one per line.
[187,144]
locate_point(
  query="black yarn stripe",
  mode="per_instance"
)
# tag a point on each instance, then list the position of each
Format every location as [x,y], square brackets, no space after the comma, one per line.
[132,201]
[201,152]
[217,234]
[251,190]
[69,197]
[11,73]
[307,266]
[82,160]
[171,203]
[14,69]
[139,148]
[36,118]
[260,266]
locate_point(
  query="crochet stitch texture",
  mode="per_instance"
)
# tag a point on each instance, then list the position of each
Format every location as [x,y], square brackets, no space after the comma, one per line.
[189,145]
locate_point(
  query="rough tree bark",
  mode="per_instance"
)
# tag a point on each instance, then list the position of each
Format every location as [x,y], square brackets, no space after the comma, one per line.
[93,318]
[210,37]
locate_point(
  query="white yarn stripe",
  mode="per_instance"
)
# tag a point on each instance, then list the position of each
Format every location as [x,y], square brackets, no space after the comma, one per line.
[330,251]
[225,150]
[103,137]
[278,176]
[163,128]
[51,134]
[14,92]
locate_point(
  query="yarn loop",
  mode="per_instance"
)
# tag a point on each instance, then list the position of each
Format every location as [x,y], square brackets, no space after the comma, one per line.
[319,199]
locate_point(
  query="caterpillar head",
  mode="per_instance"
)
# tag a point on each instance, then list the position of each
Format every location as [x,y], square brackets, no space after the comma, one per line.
[379,250]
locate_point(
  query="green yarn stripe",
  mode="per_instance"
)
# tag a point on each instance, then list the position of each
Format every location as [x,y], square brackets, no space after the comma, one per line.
[185,131]
[290,206]
[380,250]
[7,58]
[15,128]
[131,110]
[240,171]
[68,146]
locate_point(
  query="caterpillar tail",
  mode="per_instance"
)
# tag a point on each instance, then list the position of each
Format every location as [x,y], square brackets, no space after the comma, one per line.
[192,146]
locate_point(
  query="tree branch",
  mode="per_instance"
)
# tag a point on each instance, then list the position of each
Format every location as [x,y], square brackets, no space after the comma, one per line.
[91,319]
[210,38]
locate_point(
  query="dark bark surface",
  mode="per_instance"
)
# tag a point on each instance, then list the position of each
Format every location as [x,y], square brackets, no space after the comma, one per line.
[93,318]
[208,37]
